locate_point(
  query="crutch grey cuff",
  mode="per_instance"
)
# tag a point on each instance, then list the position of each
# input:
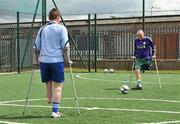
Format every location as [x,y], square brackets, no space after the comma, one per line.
[67,52]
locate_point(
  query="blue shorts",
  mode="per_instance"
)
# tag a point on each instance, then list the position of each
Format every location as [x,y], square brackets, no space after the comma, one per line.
[52,72]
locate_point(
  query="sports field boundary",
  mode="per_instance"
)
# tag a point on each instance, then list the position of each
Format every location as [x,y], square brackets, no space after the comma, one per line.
[10,104]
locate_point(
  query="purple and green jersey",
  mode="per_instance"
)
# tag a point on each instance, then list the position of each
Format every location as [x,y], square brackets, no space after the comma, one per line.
[144,48]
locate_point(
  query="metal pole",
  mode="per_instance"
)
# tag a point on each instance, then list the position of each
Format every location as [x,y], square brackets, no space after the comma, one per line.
[29,33]
[95,41]
[74,88]
[70,37]
[132,69]
[151,10]
[32,73]
[18,44]
[143,14]
[89,41]
[158,76]
[29,87]
[43,12]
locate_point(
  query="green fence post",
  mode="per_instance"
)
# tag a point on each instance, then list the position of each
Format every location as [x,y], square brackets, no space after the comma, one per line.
[89,42]
[18,47]
[43,12]
[95,40]
[143,14]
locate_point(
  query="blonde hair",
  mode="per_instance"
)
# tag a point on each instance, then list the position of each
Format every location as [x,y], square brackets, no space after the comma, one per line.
[140,31]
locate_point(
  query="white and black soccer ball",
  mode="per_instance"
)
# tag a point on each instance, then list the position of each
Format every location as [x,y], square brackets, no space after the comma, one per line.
[124,89]
[111,70]
[106,71]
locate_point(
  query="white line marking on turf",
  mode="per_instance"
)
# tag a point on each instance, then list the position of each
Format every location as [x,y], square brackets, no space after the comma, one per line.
[123,81]
[21,100]
[131,99]
[165,122]
[80,76]
[9,73]
[97,108]
[6,103]
[98,98]
[7,122]
[12,73]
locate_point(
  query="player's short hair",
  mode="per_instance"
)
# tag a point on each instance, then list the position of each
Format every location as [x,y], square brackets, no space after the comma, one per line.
[53,14]
[140,34]
[140,31]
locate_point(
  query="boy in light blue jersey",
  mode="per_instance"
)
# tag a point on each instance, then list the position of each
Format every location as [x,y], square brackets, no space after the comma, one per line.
[144,53]
[50,44]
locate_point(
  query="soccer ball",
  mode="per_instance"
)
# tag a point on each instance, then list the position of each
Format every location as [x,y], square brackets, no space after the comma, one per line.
[105,70]
[111,70]
[124,89]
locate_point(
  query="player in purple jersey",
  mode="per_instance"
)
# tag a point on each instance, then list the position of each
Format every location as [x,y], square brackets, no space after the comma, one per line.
[144,52]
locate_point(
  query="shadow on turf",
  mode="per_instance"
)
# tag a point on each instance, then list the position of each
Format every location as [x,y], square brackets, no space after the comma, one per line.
[14,116]
[23,116]
[111,88]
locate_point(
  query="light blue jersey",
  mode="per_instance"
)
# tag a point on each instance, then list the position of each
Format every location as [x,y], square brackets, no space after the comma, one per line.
[50,41]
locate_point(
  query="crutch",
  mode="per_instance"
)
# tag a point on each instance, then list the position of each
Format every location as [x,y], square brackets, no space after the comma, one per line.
[132,69]
[158,76]
[128,81]
[29,87]
[74,87]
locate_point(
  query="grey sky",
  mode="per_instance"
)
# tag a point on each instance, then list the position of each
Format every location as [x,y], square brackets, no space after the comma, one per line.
[100,6]
[93,6]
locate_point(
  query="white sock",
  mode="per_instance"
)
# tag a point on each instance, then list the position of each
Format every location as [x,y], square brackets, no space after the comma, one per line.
[139,82]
